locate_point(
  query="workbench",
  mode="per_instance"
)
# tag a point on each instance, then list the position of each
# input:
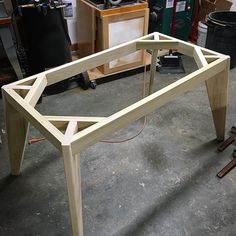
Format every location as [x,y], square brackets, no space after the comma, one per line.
[99,29]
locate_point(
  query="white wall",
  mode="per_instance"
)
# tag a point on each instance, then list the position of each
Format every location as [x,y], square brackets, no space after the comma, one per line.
[8,5]
[72,22]
[233,8]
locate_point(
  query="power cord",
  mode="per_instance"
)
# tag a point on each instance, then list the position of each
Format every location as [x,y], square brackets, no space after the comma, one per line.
[145,117]
[35,140]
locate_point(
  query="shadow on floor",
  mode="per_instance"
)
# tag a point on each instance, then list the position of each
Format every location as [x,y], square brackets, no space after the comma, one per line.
[162,204]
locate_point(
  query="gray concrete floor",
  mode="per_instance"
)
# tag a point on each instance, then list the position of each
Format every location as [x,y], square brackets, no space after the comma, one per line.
[161,183]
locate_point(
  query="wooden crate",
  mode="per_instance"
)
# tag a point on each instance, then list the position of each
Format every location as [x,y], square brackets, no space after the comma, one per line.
[103,29]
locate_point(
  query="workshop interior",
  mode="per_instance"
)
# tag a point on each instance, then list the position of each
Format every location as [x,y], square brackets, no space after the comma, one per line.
[165,172]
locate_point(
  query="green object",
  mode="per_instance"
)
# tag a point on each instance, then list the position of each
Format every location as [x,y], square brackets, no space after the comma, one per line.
[183,19]
[161,17]
[163,23]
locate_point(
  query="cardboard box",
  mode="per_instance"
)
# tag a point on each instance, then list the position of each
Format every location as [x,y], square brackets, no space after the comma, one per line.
[208,6]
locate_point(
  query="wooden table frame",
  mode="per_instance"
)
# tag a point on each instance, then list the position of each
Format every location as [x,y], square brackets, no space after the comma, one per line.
[20,98]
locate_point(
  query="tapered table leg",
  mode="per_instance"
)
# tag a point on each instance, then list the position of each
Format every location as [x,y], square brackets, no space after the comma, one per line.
[217,89]
[72,171]
[17,129]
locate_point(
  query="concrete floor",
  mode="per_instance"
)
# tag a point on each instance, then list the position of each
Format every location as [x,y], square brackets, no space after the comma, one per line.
[161,183]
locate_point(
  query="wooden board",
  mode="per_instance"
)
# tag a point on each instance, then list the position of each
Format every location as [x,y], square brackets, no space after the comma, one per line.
[97,74]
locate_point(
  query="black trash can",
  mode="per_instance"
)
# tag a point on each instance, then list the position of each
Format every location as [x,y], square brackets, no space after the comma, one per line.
[221,34]
[47,42]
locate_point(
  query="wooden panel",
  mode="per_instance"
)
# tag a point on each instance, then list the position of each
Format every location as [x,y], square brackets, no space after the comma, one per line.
[139,5]
[114,27]
[155,44]
[85,29]
[94,32]
[96,73]
[121,10]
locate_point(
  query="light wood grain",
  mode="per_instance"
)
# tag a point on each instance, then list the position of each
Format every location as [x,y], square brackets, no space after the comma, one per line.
[217,90]
[92,61]
[61,122]
[20,87]
[17,129]
[145,106]
[71,129]
[211,58]
[80,132]
[199,57]
[36,91]
[153,70]
[157,44]
[34,117]
[73,181]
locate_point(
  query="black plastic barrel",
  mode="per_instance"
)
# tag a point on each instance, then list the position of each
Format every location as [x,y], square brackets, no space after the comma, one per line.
[221,34]
[47,42]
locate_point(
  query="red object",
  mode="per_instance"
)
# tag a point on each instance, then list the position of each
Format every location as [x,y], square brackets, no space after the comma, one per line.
[6,20]
[35,140]
[193,33]
[173,19]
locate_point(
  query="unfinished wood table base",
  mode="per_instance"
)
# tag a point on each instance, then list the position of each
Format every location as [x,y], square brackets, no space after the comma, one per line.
[71,135]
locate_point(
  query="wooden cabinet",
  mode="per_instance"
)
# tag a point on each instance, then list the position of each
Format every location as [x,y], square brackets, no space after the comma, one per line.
[102,29]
